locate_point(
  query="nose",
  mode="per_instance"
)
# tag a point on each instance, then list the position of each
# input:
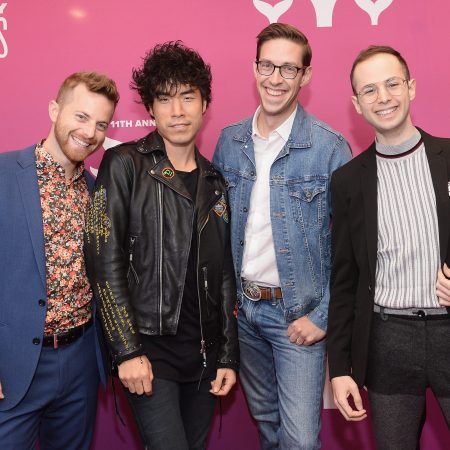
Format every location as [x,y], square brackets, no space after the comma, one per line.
[383,94]
[276,77]
[89,129]
[177,107]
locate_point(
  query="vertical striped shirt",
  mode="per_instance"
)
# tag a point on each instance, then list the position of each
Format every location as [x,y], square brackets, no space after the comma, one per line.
[408,239]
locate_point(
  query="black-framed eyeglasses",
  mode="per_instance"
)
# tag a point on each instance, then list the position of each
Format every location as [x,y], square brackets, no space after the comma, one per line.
[369,94]
[287,71]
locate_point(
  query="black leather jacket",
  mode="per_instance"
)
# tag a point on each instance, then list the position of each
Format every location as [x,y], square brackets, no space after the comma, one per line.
[137,242]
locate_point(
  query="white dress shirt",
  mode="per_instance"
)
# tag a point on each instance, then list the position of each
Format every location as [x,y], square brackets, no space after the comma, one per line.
[259,262]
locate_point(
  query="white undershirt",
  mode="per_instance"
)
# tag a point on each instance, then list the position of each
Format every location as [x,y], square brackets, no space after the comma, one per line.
[259,263]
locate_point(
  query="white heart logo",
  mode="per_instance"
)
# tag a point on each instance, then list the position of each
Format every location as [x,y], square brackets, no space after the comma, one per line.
[110,143]
[374,9]
[272,12]
[106,145]
[324,12]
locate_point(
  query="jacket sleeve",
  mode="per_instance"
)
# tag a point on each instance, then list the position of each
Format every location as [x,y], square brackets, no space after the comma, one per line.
[344,280]
[341,155]
[107,260]
[229,350]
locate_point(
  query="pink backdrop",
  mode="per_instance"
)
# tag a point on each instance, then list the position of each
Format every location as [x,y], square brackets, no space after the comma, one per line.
[41,42]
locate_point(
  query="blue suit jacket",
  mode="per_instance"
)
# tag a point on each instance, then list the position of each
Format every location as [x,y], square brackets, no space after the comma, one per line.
[23,275]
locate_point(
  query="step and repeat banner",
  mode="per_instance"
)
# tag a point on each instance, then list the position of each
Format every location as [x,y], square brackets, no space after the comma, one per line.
[42,42]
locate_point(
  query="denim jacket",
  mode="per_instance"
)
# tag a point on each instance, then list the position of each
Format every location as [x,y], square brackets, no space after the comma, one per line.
[300,207]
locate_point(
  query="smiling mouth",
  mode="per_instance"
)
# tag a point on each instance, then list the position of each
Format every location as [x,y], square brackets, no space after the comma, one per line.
[79,142]
[179,125]
[386,112]
[274,92]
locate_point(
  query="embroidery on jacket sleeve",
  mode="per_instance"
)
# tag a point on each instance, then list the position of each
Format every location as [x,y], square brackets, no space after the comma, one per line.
[221,208]
[115,318]
[98,223]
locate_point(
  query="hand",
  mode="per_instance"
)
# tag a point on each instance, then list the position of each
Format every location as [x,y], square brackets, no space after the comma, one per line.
[443,286]
[343,387]
[303,332]
[1,392]
[136,375]
[225,380]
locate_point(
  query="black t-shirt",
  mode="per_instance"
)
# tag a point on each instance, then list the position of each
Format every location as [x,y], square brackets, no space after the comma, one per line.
[178,357]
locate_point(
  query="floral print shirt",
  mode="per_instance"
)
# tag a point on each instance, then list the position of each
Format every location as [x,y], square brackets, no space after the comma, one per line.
[63,204]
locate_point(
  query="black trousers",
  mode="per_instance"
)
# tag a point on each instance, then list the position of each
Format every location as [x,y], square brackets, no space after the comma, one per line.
[177,416]
[407,356]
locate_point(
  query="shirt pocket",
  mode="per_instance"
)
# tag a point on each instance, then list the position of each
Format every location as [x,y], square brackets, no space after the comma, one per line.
[308,201]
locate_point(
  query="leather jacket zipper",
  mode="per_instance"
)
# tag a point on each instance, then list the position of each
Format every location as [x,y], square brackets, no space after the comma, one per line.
[160,236]
[131,269]
[202,341]
[205,286]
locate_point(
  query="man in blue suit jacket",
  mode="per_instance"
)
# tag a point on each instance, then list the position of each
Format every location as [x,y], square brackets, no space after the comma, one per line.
[50,358]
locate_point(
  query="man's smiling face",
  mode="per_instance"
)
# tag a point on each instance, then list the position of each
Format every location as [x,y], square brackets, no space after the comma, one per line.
[278,95]
[389,114]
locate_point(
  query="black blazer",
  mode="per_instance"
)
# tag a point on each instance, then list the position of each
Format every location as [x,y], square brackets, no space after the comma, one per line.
[354,252]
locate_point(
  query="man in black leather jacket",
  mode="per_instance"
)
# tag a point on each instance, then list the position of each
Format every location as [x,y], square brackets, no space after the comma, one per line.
[159,259]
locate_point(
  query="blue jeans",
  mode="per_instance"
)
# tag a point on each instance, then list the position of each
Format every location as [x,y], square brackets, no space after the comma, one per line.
[177,416]
[60,405]
[283,382]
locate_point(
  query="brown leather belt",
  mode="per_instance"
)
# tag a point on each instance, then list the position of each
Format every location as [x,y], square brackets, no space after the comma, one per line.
[255,292]
[65,337]
[268,293]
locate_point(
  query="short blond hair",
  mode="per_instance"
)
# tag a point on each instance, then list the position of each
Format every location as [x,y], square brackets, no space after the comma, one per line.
[94,82]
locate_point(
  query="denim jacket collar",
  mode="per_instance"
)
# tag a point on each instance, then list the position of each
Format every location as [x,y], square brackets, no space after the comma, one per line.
[301,130]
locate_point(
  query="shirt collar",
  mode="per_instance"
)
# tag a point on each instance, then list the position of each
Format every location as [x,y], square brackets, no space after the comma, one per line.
[284,130]
[46,164]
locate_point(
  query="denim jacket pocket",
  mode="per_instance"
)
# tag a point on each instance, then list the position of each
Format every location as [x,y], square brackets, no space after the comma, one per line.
[308,201]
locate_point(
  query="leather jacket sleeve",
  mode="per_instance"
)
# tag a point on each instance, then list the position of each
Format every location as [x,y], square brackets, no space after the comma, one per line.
[229,350]
[107,258]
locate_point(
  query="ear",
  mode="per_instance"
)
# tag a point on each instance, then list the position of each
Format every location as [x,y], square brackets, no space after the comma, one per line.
[255,70]
[204,106]
[306,78]
[356,104]
[412,88]
[53,110]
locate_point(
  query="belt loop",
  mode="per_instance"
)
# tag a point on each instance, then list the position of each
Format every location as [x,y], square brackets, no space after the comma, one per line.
[383,316]
[55,341]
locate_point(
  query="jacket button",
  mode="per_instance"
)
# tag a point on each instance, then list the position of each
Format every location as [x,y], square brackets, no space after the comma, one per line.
[241,242]
[370,288]
[152,172]
[217,192]
[41,302]
[36,341]
[245,209]
[252,173]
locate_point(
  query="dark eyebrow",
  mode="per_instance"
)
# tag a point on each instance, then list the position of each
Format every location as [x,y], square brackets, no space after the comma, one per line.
[187,91]
[167,94]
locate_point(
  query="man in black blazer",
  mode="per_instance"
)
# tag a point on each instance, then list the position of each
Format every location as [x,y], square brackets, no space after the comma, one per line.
[388,326]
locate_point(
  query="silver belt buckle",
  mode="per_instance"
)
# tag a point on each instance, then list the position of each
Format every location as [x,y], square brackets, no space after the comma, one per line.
[251,290]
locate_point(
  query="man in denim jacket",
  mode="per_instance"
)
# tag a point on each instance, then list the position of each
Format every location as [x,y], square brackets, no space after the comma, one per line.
[277,166]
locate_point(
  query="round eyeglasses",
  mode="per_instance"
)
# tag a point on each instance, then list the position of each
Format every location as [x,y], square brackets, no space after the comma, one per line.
[287,71]
[369,94]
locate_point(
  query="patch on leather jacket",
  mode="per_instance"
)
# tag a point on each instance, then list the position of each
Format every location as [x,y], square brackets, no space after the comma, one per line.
[221,209]
[98,223]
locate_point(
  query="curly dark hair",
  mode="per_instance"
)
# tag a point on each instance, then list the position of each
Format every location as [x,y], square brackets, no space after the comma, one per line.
[166,67]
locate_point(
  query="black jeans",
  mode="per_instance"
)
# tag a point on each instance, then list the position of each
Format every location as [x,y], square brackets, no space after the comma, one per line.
[177,416]
[407,356]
